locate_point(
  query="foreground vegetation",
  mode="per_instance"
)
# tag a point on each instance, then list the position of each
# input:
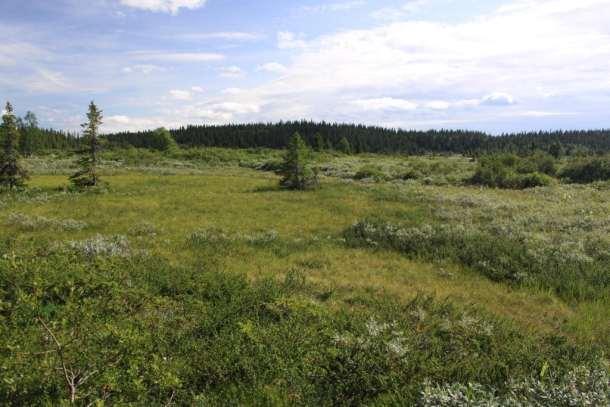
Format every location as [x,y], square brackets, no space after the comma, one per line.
[193,278]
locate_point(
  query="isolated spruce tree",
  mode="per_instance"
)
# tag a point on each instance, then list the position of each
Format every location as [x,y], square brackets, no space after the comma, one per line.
[87,175]
[12,174]
[344,146]
[296,169]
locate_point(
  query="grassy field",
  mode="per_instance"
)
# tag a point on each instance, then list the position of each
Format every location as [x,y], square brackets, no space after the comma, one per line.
[192,233]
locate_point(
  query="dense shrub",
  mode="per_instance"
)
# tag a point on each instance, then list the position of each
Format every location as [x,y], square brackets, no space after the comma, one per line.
[510,171]
[591,170]
[533,180]
[501,258]
[162,140]
[138,331]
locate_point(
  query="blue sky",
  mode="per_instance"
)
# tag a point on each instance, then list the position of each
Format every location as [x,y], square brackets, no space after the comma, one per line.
[493,65]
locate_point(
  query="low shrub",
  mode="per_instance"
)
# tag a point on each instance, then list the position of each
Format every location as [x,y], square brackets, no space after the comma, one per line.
[144,229]
[500,258]
[138,331]
[580,387]
[370,172]
[32,223]
[99,245]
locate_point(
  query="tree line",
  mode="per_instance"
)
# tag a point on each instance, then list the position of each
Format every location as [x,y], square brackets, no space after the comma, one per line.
[370,139]
[348,138]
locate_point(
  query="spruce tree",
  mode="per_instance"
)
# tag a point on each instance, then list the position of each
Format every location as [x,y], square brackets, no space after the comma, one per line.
[87,176]
[12,174]
[296,170]
[344,146]
[29,134]
[320,144]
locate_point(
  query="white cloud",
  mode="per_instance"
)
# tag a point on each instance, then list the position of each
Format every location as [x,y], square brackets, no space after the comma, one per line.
[128,123]
[236,108]
[177,56]
[143,69]
[232,91]
[334,7]
[47,81]
[498,99]
[478,67]
[197,89]
[180,94]
[437,105]
[13,53]
[166,6]
[224,35]
[468,72]
[273,67]
[538,113]
[288,40]
[389,103]
[400,13]
[232,72]
[384,104]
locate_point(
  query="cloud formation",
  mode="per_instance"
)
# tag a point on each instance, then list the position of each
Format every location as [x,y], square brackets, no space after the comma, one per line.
[334,7]
[166,6]
[232,72]
[183,57]
[273,67]
[524,64]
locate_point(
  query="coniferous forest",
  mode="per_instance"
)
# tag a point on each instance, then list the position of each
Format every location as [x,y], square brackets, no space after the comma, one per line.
[365,139]
[362,139]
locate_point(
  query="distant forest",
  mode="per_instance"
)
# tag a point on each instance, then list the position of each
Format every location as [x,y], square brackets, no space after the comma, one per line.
[331,136]
[367,139]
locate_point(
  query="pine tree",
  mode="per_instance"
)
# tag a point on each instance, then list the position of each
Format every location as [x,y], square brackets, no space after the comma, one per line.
[344,146]
[12,174]
[297,172]
[87,176]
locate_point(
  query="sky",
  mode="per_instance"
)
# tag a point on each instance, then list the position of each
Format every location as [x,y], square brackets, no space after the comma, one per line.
[491,65]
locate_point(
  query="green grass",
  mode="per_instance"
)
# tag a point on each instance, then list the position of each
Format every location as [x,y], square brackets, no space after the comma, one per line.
[227,270]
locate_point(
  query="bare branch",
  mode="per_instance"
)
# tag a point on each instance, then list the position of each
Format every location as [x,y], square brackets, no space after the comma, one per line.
[68,374]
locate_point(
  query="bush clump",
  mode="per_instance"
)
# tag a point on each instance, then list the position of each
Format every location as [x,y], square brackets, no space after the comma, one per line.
[162,140]
[587,171]
[370,172]
[511,172]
